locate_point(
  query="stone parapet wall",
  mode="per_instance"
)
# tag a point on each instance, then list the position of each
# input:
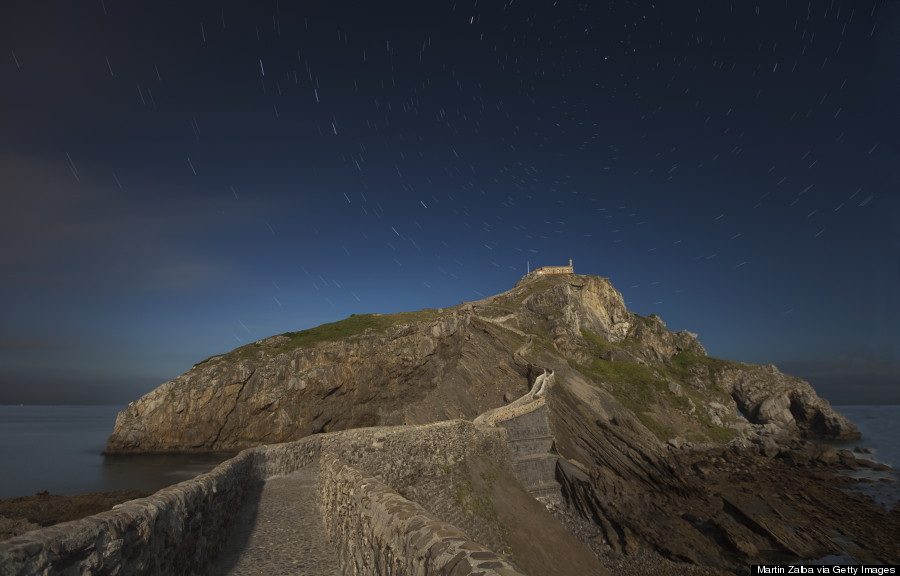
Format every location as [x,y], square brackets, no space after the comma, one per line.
[380,533]
[523,405]
[178,530]
[402,456]
[181,529]
[279,459]
[528,402]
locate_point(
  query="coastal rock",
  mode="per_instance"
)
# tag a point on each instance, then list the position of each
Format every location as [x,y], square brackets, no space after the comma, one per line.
[410,373]
[655,343]
[568,307]
[721,506]
[766,396]
[428,366]
[660,446]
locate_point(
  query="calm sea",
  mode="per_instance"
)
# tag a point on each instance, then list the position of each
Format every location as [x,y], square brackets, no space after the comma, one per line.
[58,449]
[880,429]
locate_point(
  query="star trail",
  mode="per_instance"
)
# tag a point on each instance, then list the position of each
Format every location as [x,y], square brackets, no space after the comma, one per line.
[178,180]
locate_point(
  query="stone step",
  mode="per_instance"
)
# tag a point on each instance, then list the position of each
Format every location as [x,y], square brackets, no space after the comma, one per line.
[536,469]
[544,486]
[527,438]
[521,448]
[536,457]
[547,492]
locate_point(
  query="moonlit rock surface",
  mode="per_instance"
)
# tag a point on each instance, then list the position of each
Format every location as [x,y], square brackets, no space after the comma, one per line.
[433,365]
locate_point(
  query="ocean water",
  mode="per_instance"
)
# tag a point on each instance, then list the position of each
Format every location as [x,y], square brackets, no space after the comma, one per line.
[880,429]
[59,449]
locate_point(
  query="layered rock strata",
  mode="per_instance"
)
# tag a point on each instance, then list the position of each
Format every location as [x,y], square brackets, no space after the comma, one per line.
[659,446]
[438,365]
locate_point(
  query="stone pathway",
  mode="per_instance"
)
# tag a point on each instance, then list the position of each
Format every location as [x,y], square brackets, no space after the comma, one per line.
[280,531]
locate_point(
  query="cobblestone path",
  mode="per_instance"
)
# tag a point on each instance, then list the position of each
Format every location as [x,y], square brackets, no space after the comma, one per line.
[279,531]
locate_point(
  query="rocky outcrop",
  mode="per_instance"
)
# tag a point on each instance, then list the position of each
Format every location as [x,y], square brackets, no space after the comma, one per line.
[655,343]
[566,307]
[411,373]
[766,396]
[435,365]
[658,446]
[763,496]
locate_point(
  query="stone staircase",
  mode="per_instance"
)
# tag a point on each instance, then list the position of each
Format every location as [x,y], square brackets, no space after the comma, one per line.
[530,441]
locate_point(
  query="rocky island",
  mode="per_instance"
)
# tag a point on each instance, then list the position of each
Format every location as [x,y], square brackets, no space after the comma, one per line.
[658,450]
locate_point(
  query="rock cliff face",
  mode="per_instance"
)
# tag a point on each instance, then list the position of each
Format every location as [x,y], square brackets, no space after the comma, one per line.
[267,392]
[659,444]
[433,365]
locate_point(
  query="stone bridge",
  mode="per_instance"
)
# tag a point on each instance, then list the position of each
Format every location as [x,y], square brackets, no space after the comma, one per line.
[327,504]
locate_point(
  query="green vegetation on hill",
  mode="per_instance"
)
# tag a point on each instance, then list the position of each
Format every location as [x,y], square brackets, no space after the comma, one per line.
[645,390]
[356,324]
[636,387]
[513,300]
[351,326]
[683,361]
[331,331]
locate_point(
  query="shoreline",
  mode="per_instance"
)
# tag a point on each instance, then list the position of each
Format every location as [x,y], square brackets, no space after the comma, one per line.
[26,513]
[821,468]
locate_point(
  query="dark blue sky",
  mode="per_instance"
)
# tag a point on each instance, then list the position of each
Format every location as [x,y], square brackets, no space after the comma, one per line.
[178,180]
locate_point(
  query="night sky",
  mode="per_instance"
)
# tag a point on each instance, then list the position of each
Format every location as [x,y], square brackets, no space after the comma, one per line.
[181,178]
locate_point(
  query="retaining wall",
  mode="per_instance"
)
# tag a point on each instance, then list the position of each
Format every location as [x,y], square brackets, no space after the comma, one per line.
[530,442]
[530,439]
[279,459]
[430,465]
[402,456]
[380,533]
